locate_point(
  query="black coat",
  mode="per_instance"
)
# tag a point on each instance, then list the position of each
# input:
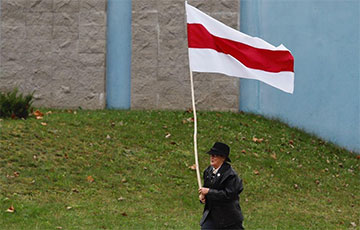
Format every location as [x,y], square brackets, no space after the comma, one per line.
[222,201]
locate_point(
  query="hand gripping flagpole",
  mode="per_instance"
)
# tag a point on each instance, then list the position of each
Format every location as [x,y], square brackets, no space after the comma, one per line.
[195,130]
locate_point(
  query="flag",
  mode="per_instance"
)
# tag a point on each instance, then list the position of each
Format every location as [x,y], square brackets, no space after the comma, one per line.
[217,48]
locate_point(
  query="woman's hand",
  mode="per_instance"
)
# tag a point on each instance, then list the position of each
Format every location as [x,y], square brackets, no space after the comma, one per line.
[202,198]
[203,191]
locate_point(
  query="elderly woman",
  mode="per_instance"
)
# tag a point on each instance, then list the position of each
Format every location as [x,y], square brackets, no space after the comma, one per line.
[220,192]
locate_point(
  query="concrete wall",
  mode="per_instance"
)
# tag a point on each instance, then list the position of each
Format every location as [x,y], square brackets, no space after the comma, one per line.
[160,71]
[57,48]
[324,39]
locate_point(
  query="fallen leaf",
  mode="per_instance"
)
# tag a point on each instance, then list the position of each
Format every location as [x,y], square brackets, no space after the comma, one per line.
[43,123]
[189,110]
[90,179]
[255,154]
[37,113]
[256,172]
[173,143]
[16,174]
[273,156]
[257,140]
[168,135]
[291,142]
[165,127]
[75,190]
[192,167]
[68,207]
[124,214]
[296,186]
[39,118]
[341,165]
[124,180]
[190,119]
[58,227]
[121,198]
[353,224]
[145,168]
[108,137]
[11,209]
[243,151]
[317,182]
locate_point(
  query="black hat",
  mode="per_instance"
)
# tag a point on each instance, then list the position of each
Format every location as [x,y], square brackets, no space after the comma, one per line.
[220,149]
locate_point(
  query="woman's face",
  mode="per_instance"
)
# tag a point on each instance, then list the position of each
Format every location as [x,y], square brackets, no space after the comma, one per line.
[216,160]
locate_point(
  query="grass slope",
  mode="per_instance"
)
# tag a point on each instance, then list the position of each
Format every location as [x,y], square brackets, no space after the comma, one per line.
[117,170]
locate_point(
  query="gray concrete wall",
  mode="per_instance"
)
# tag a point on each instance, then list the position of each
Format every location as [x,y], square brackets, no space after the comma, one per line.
[160,69]
[57,48]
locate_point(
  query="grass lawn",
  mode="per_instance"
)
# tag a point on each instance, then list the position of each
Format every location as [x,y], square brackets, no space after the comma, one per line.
[130,170]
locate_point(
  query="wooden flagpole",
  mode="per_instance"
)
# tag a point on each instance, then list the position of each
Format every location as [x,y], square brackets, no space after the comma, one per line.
[195,130]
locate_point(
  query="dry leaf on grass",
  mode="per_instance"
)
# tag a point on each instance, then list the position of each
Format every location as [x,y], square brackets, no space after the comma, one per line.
[37,113]
[168,135]
[257,140]
[43,123]
[256,172]
[90,179]
[273,156]
[11,209]
[188,120]
[192,167]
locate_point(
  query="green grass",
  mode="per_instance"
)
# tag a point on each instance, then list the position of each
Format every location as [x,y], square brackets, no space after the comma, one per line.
[44,172]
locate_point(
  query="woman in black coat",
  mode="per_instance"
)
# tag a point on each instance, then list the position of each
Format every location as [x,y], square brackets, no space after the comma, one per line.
[220,192]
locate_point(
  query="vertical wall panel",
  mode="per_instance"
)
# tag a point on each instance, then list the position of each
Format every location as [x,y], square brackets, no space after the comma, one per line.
[324,39]
[118,71]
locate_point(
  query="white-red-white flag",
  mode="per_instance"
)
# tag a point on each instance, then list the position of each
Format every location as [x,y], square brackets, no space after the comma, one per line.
[217,48]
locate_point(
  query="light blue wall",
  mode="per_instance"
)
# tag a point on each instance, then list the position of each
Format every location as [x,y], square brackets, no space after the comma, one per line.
[323,36]
[118,58]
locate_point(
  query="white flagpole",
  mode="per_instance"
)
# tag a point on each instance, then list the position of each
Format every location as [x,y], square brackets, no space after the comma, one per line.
[195,121]
[195,130]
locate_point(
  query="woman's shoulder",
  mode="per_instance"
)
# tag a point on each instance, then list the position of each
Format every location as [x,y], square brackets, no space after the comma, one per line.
[229,170]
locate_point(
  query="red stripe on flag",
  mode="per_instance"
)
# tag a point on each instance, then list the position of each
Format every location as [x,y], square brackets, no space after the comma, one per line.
[251,57]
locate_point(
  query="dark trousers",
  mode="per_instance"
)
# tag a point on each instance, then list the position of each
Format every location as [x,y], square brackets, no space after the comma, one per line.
[209,224]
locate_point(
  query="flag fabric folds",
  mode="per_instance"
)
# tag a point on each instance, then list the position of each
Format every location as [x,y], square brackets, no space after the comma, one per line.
[217,48]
